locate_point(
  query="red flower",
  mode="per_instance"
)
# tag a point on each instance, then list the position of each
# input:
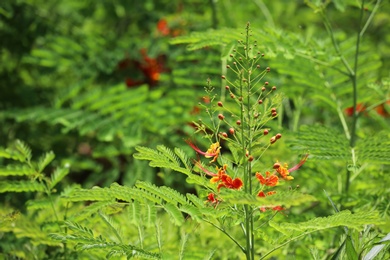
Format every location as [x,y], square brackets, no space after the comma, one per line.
[269,180]
[211,198]
[380,109]
[223,178]
[263,195]
[228,182]
[284,172]
[162,27]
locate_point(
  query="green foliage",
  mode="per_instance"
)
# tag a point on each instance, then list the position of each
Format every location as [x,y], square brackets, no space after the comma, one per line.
[96,84]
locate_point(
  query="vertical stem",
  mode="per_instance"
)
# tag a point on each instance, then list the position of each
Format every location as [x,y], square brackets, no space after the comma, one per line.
[248,146]
[354,80]
[355,94]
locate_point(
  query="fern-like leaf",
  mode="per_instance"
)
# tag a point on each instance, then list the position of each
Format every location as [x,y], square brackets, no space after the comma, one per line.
[39,204]
[79,229]
[175,213]
[92,208]
[17,170]
[374,148]
[285,198]
[45,160]
[58,175]
[343,218]
[109,222]
[20,186]
[322,142]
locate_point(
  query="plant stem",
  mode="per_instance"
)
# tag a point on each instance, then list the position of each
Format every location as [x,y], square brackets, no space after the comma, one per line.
[227,234]
[248,148]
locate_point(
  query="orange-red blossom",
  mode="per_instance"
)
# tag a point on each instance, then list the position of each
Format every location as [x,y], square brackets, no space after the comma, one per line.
[222,178]
[268,180]
[263,195]
[284,172]
[213,151]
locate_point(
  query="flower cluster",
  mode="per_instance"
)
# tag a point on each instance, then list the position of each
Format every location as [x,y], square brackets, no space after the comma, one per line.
[220,177]
[272,179]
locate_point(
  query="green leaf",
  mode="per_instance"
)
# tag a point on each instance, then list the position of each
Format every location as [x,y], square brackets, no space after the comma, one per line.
[350,249]
[174,212]
[322,142]
[45,160]
[17,170]
[57,176]
[20,186]
[343,218]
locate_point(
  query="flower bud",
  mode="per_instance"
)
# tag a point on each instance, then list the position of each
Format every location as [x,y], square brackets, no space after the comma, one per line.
[227,87]
[231,131]
[224,134]
[232,95]
[260,101]
[220,104]
[274,88]
[266,83]
[250,158]
[278,136]
[273,109]
[238,122]
[263,89]
[266,131]
[274,114]
[223,77]
[268,69]
[272,140]
[220,116]
[276,166]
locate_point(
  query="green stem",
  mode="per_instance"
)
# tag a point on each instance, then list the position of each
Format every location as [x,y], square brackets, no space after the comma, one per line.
[248,166]
[227,234]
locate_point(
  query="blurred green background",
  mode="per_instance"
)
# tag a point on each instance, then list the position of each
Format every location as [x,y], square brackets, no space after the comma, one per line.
[90,80]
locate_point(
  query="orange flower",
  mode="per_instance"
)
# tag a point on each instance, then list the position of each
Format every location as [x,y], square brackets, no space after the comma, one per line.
[230,183]
[268,180]
[225,180]
[263,195]
[284,172]
[213,151]
[218,177]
